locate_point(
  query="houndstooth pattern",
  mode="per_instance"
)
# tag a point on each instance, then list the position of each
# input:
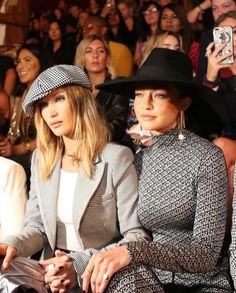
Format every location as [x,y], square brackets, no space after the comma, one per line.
[51,79]
[183,202]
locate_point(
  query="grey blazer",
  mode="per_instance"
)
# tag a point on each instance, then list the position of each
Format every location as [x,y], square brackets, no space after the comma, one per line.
[104,211]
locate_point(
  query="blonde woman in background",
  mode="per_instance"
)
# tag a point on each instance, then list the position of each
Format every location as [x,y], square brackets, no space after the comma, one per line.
[93,55]
[169,40]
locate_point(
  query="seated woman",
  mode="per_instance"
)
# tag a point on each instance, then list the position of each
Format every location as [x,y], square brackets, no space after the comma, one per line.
[20,141]
[182,189]
[12,197]
[98,208]
[93,55]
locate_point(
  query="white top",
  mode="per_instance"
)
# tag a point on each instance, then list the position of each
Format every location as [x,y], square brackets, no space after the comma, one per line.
[13,197]
[66,234]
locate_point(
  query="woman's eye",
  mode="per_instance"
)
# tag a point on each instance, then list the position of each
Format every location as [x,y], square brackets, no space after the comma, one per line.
[60,98]
[138,95]
[160,96]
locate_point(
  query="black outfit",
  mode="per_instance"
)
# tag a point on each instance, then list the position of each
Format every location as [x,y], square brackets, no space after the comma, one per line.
[65,54]
[228,91]
[206,38]
[116,110]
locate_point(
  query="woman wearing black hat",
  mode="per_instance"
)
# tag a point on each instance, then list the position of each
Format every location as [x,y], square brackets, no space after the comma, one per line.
[182,189]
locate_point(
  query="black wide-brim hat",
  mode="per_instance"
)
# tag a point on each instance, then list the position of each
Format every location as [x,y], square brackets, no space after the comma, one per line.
[168,66]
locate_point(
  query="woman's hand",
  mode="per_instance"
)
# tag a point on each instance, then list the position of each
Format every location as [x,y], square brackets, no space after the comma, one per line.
[60,272]
[102,267]
[214,61]
[6,148]
[8,252]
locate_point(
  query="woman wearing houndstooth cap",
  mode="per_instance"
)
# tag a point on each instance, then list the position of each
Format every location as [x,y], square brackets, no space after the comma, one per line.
[83,189]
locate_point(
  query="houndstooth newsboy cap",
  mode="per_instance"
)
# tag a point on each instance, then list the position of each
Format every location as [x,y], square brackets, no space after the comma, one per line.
[50,79]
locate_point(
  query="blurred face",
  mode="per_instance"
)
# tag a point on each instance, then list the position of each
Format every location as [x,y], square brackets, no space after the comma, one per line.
[95,57]
[54,31]
[58,13]
[220,7]
[56,112]
[170,21]
[164,2]
[157,109]
[151,15]
[231,22]
[124,10]
[171,43]
[91,27]
[28,67]
[83,16]
[74,11]
[113,18]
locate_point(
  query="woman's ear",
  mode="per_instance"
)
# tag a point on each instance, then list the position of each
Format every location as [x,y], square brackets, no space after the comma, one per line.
[185,103]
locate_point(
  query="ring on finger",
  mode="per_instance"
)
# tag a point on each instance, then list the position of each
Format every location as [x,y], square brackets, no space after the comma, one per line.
[105,277]
[3,151]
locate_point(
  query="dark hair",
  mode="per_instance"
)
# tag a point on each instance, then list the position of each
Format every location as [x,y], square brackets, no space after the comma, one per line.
[144,28]
[230,14]
[43,57]
[39,52]
[186,30]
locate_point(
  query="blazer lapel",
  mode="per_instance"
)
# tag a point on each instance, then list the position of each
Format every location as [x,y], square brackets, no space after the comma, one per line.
[49,202]
[85,189]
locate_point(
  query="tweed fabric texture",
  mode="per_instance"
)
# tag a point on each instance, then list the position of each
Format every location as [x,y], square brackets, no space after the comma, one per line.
[50,79]
[183,203]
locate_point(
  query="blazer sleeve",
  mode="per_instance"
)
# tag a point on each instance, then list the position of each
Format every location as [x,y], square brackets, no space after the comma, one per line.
[12,198]
[125,186]
[232,248]
[31,237]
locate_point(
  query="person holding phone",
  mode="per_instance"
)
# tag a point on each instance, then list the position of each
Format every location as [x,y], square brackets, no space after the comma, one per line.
[221,76]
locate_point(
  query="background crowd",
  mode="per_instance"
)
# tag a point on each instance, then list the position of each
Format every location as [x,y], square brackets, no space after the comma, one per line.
[109,40]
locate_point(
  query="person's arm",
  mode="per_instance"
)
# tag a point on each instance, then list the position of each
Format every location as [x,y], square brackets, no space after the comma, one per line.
[214,65]
[9,81]
[194,13]
[8,149]
[13,198]
[202,254]
[32,235]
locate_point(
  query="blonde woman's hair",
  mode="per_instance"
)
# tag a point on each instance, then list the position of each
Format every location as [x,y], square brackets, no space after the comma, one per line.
[157,41]
[80,51]
[90,129]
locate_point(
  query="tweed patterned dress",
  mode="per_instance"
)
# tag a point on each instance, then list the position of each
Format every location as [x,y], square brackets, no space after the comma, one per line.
[183,203]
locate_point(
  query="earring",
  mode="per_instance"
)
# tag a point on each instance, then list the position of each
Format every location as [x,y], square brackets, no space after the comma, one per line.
[181,126]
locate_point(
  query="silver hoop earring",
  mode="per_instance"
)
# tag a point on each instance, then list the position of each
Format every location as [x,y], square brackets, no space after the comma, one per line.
[181,126]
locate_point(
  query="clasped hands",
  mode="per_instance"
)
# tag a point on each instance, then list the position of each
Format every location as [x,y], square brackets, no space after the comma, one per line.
[59,272]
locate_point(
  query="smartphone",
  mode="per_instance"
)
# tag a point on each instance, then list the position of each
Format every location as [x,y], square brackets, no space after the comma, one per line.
[222,35]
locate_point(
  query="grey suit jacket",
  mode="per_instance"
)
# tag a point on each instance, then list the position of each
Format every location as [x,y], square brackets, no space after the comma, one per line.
[104,211]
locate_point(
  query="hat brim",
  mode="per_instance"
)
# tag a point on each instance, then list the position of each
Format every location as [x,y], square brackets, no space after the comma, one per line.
[200,94]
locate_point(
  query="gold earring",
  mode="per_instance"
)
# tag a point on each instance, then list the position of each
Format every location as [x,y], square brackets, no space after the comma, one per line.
[181,126]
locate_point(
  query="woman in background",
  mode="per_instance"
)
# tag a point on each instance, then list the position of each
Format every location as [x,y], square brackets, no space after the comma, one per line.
[20,141]
[93,55]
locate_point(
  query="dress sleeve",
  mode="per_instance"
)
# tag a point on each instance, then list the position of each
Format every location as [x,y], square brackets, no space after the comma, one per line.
[202,254]
[232,248]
